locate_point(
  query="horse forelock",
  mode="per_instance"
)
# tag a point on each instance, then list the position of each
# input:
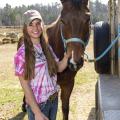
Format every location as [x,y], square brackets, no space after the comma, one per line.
[77,3]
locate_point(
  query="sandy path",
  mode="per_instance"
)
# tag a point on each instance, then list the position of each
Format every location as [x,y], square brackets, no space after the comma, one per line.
[84,96]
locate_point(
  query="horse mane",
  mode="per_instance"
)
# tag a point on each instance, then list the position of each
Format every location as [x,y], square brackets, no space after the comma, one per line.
[53,23]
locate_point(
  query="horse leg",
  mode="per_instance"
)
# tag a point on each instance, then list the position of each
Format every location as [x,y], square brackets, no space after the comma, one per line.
[65,96]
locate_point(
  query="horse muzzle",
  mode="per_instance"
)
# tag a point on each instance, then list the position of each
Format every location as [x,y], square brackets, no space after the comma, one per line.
[73,66]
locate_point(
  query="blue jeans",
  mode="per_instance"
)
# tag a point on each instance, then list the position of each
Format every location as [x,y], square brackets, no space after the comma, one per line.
[49,109]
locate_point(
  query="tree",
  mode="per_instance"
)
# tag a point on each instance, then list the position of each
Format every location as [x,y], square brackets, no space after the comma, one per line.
[14,16]
[99,12]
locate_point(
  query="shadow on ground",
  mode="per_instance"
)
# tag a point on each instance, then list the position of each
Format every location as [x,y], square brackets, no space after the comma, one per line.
[19,116]
[91,114]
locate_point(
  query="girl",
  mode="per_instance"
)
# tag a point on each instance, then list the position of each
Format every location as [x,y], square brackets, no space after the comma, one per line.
[36,66]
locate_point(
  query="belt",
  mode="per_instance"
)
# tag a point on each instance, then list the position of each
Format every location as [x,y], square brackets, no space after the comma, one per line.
[52,97]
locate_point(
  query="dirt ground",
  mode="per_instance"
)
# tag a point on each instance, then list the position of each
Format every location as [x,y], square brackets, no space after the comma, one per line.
[85,98]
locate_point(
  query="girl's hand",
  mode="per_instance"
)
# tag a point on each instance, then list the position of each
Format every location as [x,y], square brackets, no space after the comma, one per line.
[67,56]
[62,65]
[40,116]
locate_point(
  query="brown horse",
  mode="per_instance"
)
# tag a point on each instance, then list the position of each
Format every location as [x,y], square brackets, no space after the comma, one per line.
[70,33]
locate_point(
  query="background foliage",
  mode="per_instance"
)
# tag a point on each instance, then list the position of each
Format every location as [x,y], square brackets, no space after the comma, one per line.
[14,16]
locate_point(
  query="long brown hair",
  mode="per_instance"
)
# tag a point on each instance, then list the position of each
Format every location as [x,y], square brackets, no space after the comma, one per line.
[29,66]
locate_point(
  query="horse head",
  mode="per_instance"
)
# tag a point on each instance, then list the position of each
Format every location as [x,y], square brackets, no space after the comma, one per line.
[74,27]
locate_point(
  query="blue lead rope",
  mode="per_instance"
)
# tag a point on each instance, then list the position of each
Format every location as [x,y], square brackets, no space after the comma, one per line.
[105,52]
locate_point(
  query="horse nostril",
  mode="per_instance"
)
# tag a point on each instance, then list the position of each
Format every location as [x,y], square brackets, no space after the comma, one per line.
[75,66]
[72,65]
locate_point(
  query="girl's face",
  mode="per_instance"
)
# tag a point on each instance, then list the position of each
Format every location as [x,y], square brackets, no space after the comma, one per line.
[34,30]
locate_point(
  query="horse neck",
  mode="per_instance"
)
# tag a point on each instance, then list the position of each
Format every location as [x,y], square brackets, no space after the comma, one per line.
[55,40]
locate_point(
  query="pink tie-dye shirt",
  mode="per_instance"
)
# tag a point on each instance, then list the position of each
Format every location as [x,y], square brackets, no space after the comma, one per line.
[42,85]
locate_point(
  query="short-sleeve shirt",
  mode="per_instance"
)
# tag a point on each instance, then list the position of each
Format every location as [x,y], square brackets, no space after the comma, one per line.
[42,85]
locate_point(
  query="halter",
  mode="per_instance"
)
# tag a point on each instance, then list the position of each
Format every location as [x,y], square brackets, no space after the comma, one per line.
[66,41]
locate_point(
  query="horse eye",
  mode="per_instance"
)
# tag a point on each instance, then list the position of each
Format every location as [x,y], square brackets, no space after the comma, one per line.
[62,21]
[88,21]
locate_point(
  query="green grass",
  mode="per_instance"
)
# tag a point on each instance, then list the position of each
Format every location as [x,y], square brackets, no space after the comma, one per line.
[10,95]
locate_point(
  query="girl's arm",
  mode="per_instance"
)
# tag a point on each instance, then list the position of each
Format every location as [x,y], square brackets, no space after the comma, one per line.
[63,63]
[30,99]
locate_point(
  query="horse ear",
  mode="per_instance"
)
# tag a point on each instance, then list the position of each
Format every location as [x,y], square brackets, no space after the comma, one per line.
[62,1]
[81,2]
[85,2]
